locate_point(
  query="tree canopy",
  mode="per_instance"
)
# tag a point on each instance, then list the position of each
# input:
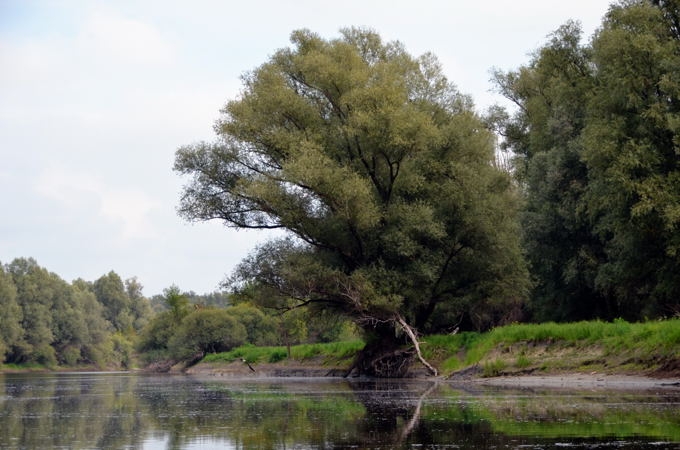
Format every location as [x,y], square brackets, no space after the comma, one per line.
[381,174]
[596,135]
[45,320]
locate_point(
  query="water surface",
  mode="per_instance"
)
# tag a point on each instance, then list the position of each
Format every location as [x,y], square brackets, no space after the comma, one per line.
[132,411]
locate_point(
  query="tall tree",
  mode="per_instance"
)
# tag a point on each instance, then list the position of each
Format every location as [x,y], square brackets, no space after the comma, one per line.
[383,175]
[36,290]
[140,307]
[95,344]
[111,293]
[10,315]
[551,94]
[596,134]
[633,156]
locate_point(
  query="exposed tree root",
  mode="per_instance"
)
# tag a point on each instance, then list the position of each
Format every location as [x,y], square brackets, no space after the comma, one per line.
[384,358]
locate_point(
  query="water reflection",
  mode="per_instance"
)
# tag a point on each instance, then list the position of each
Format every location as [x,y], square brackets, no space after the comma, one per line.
[117,410]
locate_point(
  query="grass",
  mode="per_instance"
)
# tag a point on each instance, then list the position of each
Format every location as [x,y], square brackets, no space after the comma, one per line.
[333,352]
[592,345]
[25,367]
[617,347]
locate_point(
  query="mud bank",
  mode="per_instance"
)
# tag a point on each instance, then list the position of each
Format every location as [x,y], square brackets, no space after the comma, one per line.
[588,381]
[581,381]
[239,369]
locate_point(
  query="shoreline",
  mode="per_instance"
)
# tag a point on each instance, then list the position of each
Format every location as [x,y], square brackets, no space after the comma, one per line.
[566,380]
[581,381]
[558,381]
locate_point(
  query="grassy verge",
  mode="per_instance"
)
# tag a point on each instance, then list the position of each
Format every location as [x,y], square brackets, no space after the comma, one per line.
[617,346]
[330,353]
[604,347]
[28,367]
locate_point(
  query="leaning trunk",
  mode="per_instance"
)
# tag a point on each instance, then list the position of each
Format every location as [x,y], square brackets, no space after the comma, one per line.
[387,353]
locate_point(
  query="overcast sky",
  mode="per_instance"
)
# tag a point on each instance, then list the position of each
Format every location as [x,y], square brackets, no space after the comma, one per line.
[96,96]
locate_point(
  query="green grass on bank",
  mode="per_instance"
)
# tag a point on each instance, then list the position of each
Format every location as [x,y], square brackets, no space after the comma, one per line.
[329,353]
[618,346]
[550,346]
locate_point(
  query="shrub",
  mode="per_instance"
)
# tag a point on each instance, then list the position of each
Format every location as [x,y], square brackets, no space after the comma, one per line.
[207,331]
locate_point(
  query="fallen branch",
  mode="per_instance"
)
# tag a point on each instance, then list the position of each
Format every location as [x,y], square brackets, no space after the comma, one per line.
[412,335]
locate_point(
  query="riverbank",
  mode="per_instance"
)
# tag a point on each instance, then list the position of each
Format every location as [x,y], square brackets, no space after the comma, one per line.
[593,354]
[619,348]
[584,353]
[472,376]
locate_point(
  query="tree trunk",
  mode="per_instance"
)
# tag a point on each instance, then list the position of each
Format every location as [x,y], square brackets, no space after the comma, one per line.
[386,354]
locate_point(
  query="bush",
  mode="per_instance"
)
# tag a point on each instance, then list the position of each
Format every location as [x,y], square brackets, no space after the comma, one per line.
[207,331]
[278,355]
[261,329]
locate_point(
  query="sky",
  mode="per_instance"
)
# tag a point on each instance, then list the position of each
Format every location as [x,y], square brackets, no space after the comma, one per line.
[96,96]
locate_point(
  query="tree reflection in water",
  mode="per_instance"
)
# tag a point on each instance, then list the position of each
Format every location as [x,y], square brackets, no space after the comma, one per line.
[179,412]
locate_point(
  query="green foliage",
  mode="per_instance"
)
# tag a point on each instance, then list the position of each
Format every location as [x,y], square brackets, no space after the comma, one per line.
[261,330]
[176,302]
[522,361]
[10,315]
[649,343]
[330,352]
[596,139]
[110,292]
[47,321]
[206,331]
[493,368]
[155,336]
[277,355]
[382,173]
[122,349]
[248,352]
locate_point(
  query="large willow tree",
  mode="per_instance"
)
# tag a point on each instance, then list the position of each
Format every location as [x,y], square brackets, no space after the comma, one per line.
[383,177]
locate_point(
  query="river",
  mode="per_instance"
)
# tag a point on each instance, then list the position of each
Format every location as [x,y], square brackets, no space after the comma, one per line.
[139,411]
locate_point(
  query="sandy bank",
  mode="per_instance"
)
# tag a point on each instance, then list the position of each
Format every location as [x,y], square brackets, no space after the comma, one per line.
[581,381]
[589,381]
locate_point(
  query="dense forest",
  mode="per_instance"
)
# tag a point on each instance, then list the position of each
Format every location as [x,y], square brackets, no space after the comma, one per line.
[399,218]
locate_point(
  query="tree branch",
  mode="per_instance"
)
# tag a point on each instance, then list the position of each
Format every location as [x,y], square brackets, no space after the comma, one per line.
[414,339]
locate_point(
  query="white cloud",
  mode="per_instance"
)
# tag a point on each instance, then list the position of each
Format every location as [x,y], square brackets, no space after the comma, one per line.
[85,194]
[108,35]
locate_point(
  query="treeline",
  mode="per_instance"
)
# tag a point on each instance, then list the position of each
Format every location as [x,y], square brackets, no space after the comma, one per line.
[48,321]
[187,330]
[596,135]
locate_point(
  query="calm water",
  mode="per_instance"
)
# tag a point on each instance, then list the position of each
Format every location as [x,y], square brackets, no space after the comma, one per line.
[128,411]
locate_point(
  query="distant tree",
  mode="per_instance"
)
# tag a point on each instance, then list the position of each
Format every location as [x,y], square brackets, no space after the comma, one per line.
[216,299]
[384,176]
[95,344]
[260,328]
[207,330]
[177,303]
[293,328]
[110,292]
[140,307]
[11,332]
[69,325]
[36,290]
[154,338]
